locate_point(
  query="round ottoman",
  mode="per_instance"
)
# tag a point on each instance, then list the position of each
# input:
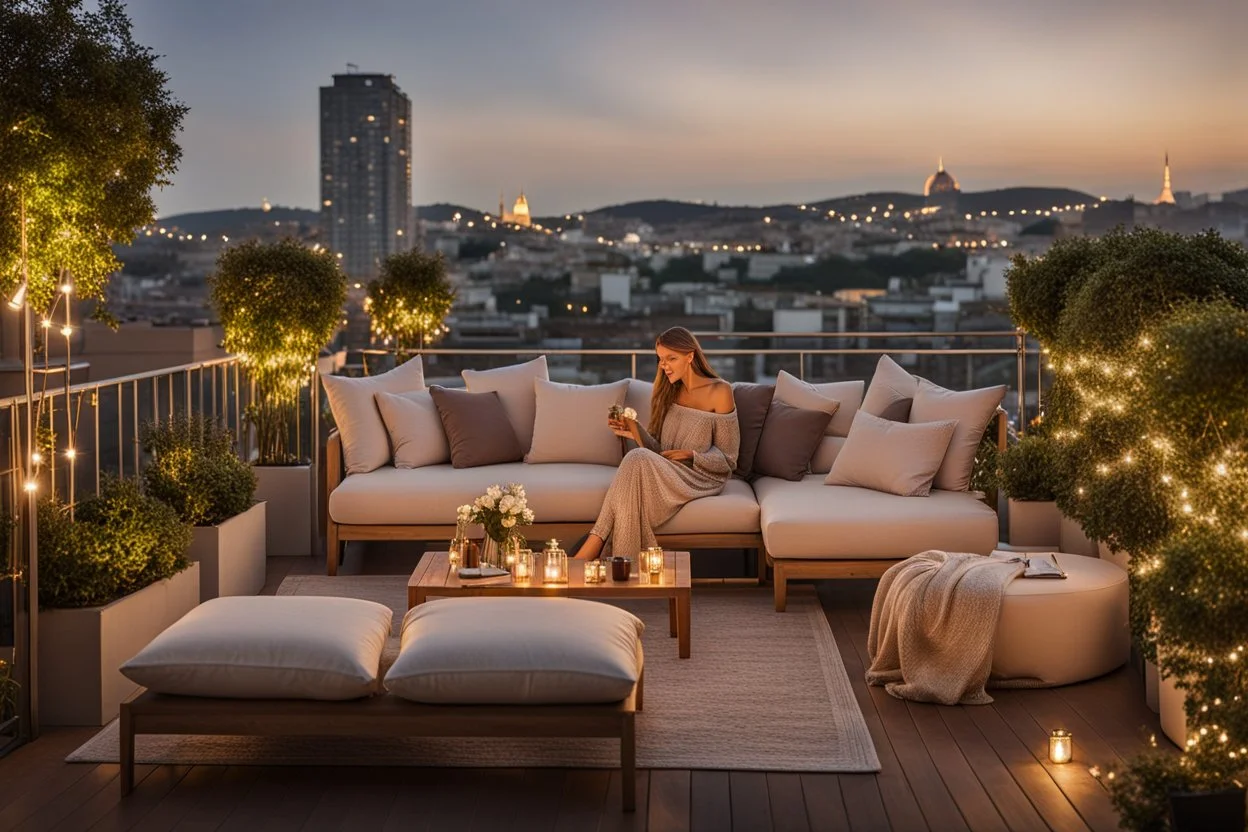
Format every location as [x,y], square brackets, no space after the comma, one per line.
[1064,631]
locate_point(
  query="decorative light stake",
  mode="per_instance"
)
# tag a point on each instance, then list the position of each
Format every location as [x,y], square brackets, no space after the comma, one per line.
[1061,746]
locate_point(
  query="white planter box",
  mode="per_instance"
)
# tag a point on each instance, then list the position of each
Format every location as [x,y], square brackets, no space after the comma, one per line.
[81,649]
[1035,523]
[1152,687]
[290,491]
[1171,702]
[1074,541]
[231,555]
[1119,559]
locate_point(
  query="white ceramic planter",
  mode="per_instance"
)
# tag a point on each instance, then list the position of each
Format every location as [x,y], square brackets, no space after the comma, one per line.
[1171,701]
[1152,687]
[290,491]
[231,555]
[1074,541]
[1119,559]
[81,649]
[1035,523]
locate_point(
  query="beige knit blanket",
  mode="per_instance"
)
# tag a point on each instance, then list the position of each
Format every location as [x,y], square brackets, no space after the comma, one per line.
[933,623]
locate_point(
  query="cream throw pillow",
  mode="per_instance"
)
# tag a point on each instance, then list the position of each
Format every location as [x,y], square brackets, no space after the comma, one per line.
[972,409]
[792,390]
[415,429]
[890,385]
[517,651]
[514,386]
[268,647]
[571,423]
[893,457]
[365,444]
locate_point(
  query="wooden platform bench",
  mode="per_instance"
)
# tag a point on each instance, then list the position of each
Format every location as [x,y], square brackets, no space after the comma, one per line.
[378,716]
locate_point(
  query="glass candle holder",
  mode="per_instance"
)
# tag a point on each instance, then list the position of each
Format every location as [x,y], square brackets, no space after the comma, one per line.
[652,560]
[554,563]
[522,566]
[595,571]
[456,553]
[1061,746]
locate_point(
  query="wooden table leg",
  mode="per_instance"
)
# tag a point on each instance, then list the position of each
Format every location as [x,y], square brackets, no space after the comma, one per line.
[683,619]
[672,623]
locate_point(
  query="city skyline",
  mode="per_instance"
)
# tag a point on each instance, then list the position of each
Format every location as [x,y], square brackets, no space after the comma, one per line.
[584,107]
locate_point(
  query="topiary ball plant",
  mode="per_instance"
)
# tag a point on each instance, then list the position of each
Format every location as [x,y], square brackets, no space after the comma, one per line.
[116,543]
[411,299]
[196,469]
[1030,469]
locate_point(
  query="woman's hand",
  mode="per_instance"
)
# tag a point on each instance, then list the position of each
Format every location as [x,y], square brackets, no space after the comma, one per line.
[625,428]
[679,455]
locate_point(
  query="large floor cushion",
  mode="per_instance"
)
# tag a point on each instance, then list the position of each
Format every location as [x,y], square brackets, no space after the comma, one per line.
[560,492]
[268,647]
[517,651]
[807,519]
[1063,632]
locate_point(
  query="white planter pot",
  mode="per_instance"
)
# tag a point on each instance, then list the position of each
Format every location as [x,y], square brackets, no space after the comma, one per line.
[231,555]
[1171,702]
[290,491]
[81,649]
[1119,559]
[1152,687]
[1073,540]
[1034,523]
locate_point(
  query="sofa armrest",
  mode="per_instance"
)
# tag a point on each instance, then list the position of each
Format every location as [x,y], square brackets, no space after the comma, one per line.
[333,462]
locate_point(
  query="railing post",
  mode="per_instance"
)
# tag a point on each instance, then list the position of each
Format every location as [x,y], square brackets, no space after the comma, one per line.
[801,366]
[1020,339]
[633,372]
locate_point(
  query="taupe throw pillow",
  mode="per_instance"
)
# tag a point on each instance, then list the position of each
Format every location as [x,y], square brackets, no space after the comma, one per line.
[893,457]
[476,428]
[514,385]
[846,394]
[889,385]
[752,403]
[973,410]
[789,439]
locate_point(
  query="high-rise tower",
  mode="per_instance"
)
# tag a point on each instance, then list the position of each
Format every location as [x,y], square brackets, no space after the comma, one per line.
[1166,197]
[366,171]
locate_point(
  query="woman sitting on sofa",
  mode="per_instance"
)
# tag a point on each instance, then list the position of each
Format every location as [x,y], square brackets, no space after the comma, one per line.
[693,414]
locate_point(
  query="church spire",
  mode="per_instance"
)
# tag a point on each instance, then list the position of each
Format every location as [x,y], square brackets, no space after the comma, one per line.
[940,164]
[1166,197]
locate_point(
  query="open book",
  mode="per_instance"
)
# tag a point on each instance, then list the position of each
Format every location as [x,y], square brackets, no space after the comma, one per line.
[1039,564]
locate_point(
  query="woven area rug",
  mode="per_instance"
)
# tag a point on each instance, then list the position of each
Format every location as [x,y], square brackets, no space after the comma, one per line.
[763,691]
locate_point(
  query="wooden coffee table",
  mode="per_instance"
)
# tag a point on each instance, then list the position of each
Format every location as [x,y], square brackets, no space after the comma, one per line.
[434,578]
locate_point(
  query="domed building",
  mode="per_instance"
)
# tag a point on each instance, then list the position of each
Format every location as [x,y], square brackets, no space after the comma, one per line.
[941,189]
[519,213]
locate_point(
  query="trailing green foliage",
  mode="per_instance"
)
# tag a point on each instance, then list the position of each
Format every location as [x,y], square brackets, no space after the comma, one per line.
[196,469]
[279,304]
[87,130]
[411,299]
[116,543]
[1147,333]
[1028,469]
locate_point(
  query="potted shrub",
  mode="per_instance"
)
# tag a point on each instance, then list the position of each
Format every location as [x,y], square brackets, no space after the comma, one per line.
[279,304]
[410,300]
[111,577]
[196,470]
[1027,472]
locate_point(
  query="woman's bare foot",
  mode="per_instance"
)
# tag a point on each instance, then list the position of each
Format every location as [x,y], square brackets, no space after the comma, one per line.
[590,549]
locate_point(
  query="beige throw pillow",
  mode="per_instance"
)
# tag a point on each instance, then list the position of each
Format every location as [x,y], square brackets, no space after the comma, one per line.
[571,423]
[847,394]
[972,409]
[365,444]
[514,386]
[893,457]
[415,429]
[889,387]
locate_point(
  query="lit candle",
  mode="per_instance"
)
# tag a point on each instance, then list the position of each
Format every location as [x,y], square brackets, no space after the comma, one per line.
[1061,746]
[552,570]
[522,569]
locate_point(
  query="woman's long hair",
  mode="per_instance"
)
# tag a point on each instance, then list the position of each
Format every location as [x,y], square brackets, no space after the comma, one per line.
[681,340]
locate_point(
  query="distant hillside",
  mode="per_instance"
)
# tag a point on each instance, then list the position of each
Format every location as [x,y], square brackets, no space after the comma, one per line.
[445,212]
[1014,199]
[236,219]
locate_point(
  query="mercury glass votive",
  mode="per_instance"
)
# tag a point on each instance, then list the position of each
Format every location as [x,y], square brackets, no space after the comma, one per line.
[595,571]
[1061,746]
[652,560]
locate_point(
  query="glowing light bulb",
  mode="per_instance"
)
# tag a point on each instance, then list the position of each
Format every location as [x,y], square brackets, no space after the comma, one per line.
[32,486]
[71,454]
[36,457]
[67,331]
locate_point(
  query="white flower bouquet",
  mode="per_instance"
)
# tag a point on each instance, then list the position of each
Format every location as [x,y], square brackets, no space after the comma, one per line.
[500,511]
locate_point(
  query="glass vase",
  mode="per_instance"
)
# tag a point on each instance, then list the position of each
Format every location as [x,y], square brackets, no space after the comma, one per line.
[491,552]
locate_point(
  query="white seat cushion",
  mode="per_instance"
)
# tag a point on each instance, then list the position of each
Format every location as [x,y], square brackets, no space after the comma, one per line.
[517,651]
[268,647]
[733,511]
[807,519]
[1063,632]
[558,492]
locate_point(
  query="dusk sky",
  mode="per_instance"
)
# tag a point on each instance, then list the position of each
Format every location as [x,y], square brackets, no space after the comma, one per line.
[589,103]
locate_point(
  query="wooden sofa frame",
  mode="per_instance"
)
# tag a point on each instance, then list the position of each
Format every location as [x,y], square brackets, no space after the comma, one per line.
[379,716]
[787,569]
[336,534]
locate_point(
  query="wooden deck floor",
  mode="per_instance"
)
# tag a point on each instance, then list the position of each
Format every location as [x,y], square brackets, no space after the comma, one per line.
[944,769]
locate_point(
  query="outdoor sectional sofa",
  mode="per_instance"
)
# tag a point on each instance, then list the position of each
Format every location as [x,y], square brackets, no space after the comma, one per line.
[803,529]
